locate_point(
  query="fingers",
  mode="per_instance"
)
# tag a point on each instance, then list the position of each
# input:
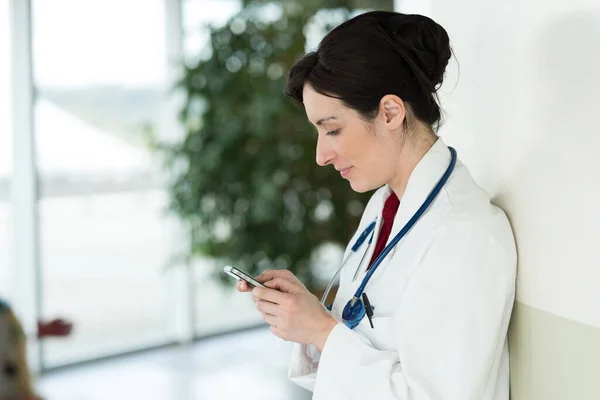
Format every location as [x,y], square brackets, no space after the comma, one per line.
[242,286]
[283,280]
[266,276]
[268,311]
[266,307]
[271,274]
[270,319]
[273,296]
[274,330]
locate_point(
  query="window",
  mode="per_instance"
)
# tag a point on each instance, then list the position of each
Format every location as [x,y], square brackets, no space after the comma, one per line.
[100,71]
[5,143]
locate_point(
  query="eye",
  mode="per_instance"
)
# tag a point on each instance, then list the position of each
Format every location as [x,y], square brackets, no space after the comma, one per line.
[333,133]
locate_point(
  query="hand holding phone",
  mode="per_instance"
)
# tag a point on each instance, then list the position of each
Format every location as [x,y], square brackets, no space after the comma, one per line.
[239,275]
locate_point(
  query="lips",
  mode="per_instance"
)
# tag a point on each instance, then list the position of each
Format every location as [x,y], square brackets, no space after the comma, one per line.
[345,171]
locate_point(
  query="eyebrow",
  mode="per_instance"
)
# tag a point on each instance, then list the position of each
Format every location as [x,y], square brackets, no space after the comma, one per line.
[323,120]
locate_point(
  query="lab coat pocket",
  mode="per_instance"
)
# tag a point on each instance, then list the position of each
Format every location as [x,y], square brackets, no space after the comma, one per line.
[380,335]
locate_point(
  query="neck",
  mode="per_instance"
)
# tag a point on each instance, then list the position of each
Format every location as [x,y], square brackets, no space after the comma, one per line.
[412,152]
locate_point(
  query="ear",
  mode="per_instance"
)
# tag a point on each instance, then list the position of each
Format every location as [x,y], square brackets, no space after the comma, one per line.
[392,111]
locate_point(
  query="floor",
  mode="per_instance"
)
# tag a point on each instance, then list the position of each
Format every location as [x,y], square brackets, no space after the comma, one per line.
[246,365]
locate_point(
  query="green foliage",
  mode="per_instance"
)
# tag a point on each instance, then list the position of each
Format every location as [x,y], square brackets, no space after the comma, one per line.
[246,179]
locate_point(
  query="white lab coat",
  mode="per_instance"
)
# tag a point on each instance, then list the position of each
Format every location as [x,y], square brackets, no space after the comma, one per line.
[443,299]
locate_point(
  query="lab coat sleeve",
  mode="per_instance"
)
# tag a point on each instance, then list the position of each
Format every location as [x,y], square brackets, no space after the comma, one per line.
[447,330]
[303,366]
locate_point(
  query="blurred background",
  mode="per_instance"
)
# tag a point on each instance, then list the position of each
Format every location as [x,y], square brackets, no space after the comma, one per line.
[144,144]
[117,213]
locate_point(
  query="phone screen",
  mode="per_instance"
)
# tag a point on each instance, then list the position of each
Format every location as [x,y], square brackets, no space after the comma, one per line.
[236,273]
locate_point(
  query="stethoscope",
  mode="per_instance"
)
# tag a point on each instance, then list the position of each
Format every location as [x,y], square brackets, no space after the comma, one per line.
[359,305]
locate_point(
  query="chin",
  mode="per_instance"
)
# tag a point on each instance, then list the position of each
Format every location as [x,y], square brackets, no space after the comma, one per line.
[362,187]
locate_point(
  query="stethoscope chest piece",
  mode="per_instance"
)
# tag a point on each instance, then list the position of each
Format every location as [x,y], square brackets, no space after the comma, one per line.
[353,313]
[355,310]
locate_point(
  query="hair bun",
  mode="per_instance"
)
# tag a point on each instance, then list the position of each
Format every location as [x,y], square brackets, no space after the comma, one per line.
[425,41]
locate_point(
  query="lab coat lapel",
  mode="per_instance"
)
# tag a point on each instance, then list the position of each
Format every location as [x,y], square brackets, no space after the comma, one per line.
[422,180]
[366,252]
[370,249]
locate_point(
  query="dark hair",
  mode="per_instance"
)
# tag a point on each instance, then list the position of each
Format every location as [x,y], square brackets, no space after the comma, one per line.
[375,54]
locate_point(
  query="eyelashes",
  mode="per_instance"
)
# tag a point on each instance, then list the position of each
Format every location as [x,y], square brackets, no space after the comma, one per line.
[333,133]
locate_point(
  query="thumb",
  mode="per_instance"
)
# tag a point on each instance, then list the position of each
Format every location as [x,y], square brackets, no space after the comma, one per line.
[271,274]
[282,284]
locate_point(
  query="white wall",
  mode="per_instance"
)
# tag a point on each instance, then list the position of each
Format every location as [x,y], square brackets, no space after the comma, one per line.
[525,117]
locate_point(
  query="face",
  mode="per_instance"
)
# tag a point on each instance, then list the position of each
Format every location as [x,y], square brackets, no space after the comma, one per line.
[366,154]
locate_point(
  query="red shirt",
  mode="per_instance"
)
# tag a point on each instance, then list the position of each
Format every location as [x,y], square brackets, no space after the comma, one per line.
[389,213]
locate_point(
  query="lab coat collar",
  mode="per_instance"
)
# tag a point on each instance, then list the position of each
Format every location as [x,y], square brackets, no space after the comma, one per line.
[421,182]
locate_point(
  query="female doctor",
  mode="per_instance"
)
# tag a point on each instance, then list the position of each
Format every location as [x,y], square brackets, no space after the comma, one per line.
[427,282]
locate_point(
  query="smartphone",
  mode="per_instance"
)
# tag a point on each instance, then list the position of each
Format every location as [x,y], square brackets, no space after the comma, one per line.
[237,274]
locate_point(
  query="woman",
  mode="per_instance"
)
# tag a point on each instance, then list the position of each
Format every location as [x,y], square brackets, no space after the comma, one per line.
[439,299]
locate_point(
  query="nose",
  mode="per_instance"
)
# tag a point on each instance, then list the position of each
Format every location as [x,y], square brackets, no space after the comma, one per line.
[325,152]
